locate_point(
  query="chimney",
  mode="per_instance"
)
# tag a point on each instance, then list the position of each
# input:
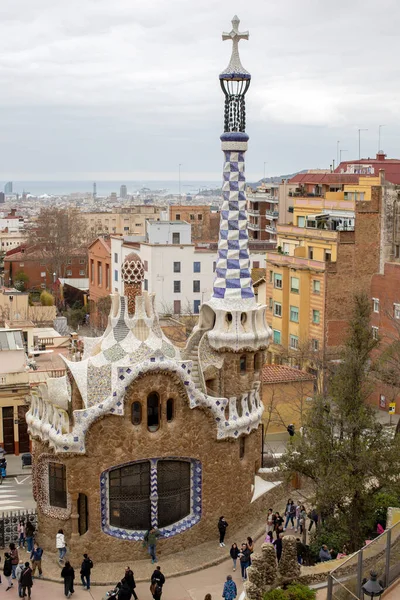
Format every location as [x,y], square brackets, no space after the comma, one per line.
[381,176]
[380,155]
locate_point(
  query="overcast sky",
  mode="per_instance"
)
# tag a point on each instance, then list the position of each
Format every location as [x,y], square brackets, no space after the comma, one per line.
[122,89]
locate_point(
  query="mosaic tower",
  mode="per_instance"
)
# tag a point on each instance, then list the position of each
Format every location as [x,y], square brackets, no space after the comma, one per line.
[239,321]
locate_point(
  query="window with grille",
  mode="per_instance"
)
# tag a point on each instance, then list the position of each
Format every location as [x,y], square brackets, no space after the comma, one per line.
[173,491]
[57,485]
[129,495]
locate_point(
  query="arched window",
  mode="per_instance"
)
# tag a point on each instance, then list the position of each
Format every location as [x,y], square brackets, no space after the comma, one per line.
[129,495]
[243,363]
[57,485]
[136,413]
[153,411]
[242,446]
[170,409]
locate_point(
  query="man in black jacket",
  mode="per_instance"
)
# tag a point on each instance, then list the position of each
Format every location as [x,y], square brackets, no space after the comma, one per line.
[130,580]
[157,582]
[222,525]
[86,567]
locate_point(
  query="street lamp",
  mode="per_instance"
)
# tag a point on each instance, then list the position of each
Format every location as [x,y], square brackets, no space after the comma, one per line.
[371,587]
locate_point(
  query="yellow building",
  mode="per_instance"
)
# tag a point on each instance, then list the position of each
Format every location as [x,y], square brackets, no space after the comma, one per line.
[297,272]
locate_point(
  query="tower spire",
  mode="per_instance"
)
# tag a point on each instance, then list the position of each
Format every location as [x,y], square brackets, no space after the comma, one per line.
[233,283]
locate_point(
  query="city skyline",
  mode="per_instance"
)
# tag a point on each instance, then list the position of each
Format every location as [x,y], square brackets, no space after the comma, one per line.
[113,91]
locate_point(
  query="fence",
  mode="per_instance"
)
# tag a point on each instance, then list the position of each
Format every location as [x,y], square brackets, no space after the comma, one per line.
[381,555]
[9,525]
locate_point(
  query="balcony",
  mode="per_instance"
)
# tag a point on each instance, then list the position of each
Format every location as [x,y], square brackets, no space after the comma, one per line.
[270,229]
[253,226]
[261,197]
[302,232]
[295,262]
[271,214]
[253,212]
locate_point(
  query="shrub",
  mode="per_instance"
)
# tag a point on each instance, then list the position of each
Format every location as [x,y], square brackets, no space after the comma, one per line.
[298,591]
[330,534]
[275,595]
[46,299]
[382,501]
[20,281]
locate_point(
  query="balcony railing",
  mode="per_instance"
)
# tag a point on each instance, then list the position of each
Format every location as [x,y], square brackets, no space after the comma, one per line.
[253,226]
[259,197]
[270,229]
[254,212]
[271,214]
[284,260]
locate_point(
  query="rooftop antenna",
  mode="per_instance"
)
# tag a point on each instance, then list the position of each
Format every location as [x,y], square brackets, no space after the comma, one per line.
[379,137]
[359,142]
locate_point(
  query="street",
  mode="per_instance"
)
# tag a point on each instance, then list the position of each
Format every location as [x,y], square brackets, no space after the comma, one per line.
[16,493]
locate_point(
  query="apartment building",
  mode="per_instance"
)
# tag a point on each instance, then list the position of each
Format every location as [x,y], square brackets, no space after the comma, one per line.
[122,221]
[99,259]
[180,272]
[11,239]
[263,212]
[203,220]
[11,221]
[371,167]
[32,261]
[331,252]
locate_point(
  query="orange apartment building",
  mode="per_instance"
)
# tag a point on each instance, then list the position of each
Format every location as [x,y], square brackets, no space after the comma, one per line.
[204,221]
[99,257]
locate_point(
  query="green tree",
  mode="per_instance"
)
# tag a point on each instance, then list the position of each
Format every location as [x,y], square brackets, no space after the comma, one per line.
[345,452]
[20,281]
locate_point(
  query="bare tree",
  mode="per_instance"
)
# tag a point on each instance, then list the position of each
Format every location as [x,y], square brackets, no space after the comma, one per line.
[58,234]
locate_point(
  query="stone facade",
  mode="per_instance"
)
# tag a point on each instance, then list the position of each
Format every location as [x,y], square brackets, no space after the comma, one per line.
[104,450]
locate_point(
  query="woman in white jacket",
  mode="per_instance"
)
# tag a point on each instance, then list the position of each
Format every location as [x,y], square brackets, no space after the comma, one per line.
[60,545]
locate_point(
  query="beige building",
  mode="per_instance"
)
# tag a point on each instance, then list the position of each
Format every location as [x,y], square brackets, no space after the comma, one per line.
[124,221]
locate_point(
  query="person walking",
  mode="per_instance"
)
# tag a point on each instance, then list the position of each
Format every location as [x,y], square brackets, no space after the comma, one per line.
[303,516]
[278,522]
[151,539]
[290,514]
[7,570]
[313,519]
[234,552]
[278,547]
[68,574]
[14,558]
[29,532]
[21,534]
[86,567]
[222,525]
[270,519]
[124,592]
[18,573]
[269,538]
[244,560]
[36,558]
[26,581]
[157,582]
[61,546]
[130,580]
[230,590]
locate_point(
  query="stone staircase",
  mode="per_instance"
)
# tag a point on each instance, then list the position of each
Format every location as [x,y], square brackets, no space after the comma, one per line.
[194,357]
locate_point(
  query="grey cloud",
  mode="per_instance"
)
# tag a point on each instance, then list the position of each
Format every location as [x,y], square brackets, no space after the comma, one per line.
[115,85]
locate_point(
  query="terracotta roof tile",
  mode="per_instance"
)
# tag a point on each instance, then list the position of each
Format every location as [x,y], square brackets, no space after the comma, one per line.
[284,374]
[325,178]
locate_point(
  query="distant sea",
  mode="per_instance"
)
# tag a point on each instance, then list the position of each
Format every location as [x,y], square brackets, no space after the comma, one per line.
[105,188]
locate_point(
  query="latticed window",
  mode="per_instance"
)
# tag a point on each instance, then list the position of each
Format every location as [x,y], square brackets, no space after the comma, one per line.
[57,485]
[129,493]
[173,491]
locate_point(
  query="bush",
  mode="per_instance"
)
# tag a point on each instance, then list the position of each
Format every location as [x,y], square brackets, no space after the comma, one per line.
[275,595]
[330,534]
[296,591]
[382,501]
[46,299]
[20,281]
